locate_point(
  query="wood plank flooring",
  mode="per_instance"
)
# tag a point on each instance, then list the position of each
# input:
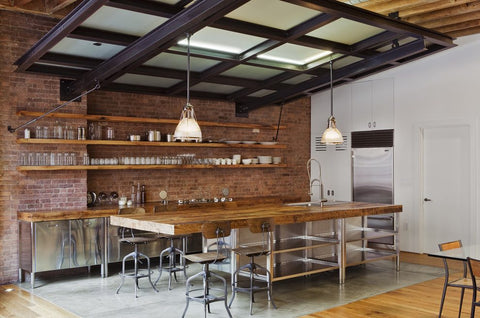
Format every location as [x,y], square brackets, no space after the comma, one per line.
[420,301]
[18,303]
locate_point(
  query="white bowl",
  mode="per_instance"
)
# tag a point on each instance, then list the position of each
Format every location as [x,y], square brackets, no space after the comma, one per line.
[264,159]
[246,161]
[277,160]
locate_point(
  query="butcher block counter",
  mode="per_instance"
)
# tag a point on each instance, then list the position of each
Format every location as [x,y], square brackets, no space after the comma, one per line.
[191,220]
[306,240]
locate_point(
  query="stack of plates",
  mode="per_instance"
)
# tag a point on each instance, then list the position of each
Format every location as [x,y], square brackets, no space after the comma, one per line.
[264,159]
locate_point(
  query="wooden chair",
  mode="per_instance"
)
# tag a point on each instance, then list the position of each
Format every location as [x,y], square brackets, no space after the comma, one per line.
[130,238]
[464,282]
[264,226]
[474,266]
[204,295]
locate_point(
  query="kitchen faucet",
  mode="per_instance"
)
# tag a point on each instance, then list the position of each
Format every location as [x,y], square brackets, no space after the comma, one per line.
[319,179]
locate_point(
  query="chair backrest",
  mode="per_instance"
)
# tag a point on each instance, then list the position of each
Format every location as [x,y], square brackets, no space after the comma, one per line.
[474,266]
[450,245]
[261,225]
[211,230]
[137,210]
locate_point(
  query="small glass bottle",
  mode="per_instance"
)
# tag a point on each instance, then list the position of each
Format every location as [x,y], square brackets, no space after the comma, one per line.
[73,158]
[86,159]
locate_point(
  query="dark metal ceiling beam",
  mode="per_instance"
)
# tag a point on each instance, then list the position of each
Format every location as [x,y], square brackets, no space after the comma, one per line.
[192,18]
[323,78]
[58,32]
[55,60]
[350,12]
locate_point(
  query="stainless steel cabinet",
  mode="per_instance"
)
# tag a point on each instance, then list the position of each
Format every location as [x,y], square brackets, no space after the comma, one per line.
[52,245]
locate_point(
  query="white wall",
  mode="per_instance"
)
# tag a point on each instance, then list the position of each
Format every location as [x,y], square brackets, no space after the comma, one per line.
[441,88]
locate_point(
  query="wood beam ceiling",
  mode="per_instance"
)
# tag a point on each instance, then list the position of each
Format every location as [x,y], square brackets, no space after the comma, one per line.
[453,17]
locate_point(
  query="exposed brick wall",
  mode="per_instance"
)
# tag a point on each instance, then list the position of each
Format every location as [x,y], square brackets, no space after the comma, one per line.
[66,189]
[18,91]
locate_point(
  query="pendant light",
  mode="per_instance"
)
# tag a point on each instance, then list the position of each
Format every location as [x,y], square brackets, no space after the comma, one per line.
[188,128]
[331,135]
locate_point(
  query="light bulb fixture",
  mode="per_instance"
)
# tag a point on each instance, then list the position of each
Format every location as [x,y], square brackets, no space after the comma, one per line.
[331,135]
[188,128]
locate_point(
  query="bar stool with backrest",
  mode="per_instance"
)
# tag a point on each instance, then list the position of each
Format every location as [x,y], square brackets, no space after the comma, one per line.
[464,282]
[265,227]
[171,252]
[204,295]
[130,238]
[474,266]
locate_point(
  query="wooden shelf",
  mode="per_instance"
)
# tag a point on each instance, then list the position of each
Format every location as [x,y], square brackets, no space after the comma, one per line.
[144,143]
[144,167]
[146,120]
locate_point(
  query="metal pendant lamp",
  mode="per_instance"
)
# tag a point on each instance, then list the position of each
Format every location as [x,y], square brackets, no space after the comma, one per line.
[188,128]
[331,135]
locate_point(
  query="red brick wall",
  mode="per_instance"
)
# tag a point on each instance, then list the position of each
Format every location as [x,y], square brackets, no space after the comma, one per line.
[66,189]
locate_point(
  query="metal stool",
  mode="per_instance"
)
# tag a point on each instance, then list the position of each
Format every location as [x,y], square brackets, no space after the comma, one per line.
[209,230]
[171,252]
[264,226]
[136,255]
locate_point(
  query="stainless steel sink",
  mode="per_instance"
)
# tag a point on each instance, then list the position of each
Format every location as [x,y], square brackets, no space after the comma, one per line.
[315,203]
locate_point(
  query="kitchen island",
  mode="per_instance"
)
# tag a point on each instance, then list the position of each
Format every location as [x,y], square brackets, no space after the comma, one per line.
[347,244]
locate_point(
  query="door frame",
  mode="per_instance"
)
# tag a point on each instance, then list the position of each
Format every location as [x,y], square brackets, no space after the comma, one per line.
[419,193]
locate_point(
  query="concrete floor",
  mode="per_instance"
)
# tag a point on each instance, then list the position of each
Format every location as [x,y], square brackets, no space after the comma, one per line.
[89,295]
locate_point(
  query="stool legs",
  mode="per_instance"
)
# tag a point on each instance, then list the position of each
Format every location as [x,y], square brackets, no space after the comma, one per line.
[252,268]
[206,298]
[172,268]
[136,259]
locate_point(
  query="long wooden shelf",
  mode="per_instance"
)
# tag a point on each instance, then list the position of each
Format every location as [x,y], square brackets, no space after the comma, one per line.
[146,120]
[145,143]
[144,167]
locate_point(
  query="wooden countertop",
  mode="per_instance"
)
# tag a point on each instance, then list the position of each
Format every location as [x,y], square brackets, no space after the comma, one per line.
[108,210]
[190,221]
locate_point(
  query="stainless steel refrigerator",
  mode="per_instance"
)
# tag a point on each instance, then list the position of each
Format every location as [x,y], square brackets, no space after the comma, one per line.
[373,176]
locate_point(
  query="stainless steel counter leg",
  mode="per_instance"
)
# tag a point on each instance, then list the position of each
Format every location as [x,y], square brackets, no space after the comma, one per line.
[342,250]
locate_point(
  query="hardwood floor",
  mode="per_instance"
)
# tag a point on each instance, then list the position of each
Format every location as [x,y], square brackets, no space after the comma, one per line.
[419,301]
[18,303]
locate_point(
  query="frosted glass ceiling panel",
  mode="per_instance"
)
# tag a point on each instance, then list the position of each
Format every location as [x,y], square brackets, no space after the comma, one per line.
[251,72]
[145,80]
[294,54]
[215,88]
[346,61]
[298,79]
[272,13]
[261,93]
[223,41]
[123,21]
[86,48]
[345,31]
[179,62]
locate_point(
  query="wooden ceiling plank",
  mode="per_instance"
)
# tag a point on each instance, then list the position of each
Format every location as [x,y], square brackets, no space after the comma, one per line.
[58,32]
[453,20]
[386,7]
[426,8]
[465,32]
[460,26]
[460,9]
[59,6]
[190,19]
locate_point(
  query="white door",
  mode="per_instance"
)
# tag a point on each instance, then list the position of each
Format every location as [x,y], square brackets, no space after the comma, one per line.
[446,185]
